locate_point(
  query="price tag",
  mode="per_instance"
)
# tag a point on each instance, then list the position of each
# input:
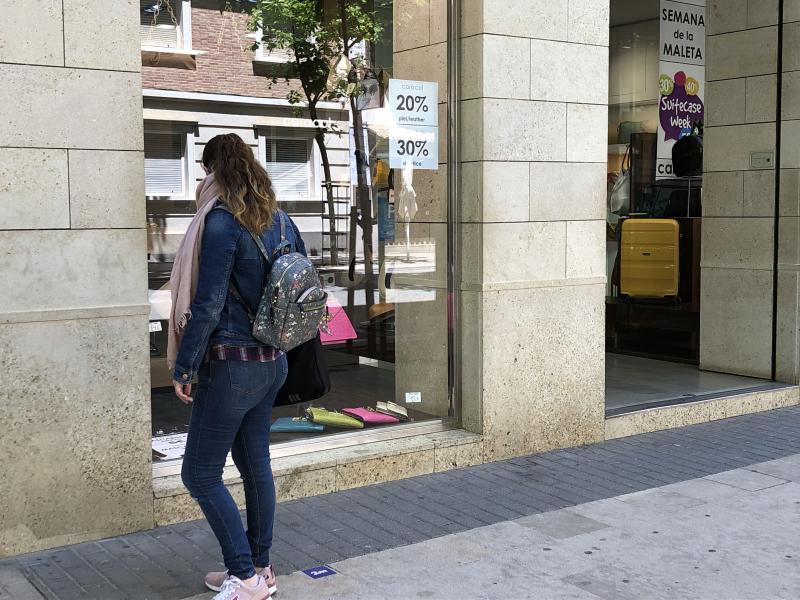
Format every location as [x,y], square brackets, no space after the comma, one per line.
[155,326]
[416,147]
[413,397]
[414,102]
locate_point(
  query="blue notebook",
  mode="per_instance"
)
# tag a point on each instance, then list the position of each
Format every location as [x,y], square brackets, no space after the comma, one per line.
[295,424]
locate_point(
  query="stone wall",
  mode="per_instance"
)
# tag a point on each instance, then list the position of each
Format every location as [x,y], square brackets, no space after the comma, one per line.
[533,132]
[739,198]
[74,397]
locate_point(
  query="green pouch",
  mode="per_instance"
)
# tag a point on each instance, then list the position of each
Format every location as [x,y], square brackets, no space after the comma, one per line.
[333,419]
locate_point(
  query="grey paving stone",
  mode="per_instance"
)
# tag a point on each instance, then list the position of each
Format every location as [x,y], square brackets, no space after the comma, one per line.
[784,468]
[667,501]
[562,524]
[611,583]
[747,479]
[105,591]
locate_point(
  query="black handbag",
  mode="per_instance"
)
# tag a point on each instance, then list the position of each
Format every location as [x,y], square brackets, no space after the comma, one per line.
[308,378]
[687,154]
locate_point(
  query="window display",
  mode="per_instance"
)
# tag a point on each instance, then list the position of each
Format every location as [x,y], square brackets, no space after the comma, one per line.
[654,212]
[357,161]
[656,300]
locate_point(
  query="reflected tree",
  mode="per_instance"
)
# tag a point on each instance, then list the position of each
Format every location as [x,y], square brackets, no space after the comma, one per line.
[323,38]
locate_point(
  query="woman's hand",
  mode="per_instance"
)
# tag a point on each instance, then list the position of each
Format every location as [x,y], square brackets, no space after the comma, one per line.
[183,391]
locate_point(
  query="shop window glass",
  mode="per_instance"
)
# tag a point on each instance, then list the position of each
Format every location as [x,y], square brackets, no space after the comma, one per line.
[663,209]
[377,231]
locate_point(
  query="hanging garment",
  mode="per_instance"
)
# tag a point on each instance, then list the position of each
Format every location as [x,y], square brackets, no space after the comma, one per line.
[619,197]
[338,73]
[405,198]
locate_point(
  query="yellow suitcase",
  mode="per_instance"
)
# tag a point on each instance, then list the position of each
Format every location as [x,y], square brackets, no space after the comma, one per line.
[649,258]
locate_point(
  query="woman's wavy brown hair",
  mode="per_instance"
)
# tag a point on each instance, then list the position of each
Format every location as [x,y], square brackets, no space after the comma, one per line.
[246,187]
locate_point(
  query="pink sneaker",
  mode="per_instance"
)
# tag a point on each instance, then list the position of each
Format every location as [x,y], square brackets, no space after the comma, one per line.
[215,579]
[234,588]
[268,573]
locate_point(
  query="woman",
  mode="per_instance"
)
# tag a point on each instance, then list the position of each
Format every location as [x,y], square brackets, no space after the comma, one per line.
[238,378]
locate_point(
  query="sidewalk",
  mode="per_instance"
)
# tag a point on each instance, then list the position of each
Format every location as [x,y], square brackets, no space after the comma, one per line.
[732,535]
[706,511]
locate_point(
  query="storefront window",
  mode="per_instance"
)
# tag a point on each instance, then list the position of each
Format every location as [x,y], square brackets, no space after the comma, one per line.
[688,301]
[357,160]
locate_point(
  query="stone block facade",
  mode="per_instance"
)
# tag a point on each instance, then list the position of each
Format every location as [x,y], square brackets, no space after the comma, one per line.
[74,399]
[739,195]
[532,143]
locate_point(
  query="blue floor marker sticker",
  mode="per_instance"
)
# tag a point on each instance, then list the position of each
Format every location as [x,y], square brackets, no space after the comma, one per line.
[318,572]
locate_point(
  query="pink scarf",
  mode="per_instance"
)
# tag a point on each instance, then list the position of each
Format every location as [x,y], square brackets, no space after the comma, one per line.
[185,269]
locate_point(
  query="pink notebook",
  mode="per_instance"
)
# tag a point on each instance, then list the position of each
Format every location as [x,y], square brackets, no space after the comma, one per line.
[370,417]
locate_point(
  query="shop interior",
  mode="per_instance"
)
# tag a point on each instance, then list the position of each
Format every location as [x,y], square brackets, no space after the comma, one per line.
[653,233]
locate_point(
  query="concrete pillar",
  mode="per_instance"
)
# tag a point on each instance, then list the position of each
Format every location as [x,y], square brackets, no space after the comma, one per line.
[739,197]
[533,149]
[74,396]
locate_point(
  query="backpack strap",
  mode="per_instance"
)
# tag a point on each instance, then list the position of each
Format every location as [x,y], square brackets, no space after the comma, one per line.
[238,297]
[284,247]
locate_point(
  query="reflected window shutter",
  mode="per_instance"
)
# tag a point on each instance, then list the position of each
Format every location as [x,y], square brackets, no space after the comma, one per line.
[288,166]
[164,163]
[157,26]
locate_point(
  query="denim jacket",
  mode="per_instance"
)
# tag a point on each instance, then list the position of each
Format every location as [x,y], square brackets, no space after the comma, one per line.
[228,254]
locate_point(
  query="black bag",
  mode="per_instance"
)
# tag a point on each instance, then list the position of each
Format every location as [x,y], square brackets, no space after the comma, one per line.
[308,378]
[687,154]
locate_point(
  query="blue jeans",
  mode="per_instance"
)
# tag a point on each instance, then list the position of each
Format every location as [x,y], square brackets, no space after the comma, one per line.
[232,412]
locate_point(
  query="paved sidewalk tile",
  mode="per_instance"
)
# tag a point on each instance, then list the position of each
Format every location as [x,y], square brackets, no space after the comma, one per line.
[788,468]
[562,524]
[647,483]
[746,479]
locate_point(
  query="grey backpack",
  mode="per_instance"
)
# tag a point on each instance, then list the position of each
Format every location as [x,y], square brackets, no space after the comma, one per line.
[293,304]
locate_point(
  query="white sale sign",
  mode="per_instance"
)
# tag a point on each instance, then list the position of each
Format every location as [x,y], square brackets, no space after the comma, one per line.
[416,147]
[414,102]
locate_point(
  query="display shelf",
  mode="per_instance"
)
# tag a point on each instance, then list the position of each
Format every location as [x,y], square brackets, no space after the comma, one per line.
[617,149]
